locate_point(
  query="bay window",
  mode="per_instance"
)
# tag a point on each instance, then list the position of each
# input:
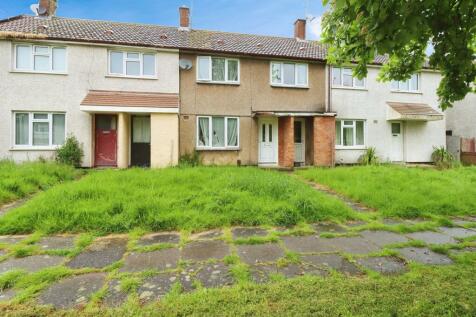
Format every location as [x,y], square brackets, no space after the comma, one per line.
[39,129]
[350,133]
[217,132]
[289,74]
[132,64]
[409,85]
[40,58]
[343,77]
[218,70]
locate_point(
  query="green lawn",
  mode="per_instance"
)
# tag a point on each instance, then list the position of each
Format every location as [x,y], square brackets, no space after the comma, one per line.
[174,198]
[19,180]
[402,191]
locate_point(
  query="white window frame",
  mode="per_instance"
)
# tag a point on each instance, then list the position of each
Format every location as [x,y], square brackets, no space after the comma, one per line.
[210,129]
[125,59]
[401,83]
[210,71]
[354,126]
[341,85]
[296,85]
[32,59]
[31,120]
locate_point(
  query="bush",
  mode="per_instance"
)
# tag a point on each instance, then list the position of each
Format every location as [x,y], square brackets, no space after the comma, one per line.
[189,159]
[71,152]
[369,157]
[442,158]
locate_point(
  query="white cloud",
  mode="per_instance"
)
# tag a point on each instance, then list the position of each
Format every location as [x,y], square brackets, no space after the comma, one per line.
[315,26]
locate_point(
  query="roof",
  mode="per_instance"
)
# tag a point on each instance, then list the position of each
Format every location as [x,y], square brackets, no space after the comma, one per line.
[92,31]
[130,99]
[413,111]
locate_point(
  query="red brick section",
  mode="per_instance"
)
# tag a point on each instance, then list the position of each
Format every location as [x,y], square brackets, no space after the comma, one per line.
[324,141]
[300,29]
[286,142]
[184,17]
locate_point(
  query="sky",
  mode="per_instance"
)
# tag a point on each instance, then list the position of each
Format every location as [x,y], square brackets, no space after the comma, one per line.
[267,17]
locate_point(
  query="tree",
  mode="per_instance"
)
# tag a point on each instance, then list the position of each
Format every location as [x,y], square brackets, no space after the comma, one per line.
[359,30]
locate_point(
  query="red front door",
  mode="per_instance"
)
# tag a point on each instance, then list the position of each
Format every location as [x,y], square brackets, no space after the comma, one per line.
[106,140]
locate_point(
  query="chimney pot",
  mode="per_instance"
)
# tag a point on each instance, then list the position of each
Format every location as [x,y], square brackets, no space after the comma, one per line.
[184,17]
[300,29]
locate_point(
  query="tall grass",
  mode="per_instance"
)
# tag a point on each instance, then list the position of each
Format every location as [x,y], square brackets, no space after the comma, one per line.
[19,180]
[175,198]
[402,191]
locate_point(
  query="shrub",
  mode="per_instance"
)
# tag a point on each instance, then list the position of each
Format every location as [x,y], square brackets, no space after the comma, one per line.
[369,157]
[189,159]
[442,158]
[71,152]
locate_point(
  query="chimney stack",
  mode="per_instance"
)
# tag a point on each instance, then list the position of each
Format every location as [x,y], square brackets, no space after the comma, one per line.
[50,6]
[184,18]
[300,29]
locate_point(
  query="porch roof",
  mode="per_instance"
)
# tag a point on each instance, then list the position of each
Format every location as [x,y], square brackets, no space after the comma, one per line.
[129,101]
[412,112]
[293,114]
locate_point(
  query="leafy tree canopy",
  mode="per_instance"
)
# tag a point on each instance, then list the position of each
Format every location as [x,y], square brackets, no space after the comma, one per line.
[359,30]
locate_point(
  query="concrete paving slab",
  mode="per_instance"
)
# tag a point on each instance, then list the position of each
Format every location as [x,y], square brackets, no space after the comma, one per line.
[331,261]
[156,287]
[160,260]
[382,238]
[431,237]
[214,275]
[248,232]
[458,232]
[56,243]
[8,240]
[7,295]
[260,253]
[308,244]
[357,223]
[205,250]
[353,245]
[207,235]
[157,238]
[260,273]
[115,297]
[424,256]
[73,291]
[386,265]
[32,263]
[101,253]
[323,227]
[393,222]
[464,250]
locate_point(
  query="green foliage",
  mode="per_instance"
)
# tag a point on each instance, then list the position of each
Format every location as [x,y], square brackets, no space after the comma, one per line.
[189,159]
[71,152]
[360,30]
[174,199]
[20,180]
[369,157]
[442,158]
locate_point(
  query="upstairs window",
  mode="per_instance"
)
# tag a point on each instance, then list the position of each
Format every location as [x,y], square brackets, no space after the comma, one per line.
[289,74]
[350,133]
[132,64]
[39,129]
[410,85]
[40,58]
[218,70]
[342,77]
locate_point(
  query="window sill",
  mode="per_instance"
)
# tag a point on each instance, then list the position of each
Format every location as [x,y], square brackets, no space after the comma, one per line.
[351,147]
[220,149]
[218,83]
[34,72]
[289,86]
[349,88]
[407,92]
[39,148]
[132,77]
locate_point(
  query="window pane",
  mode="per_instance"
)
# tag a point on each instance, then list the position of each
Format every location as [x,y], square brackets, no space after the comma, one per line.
[394,85]
[23,57]
[140,129]
[149,65]
[203,132]
[348,137]
[59,59]
[218,69]
[276,73]
[297,132]
[232,70]
[414,82]
[42,50]
[40,116]
[232,131]
[42,63]
[359,82]
[347,77]
[133,55]
[204,68]
[117,63]
[132,68]
[395,128]
[41,132]
[21,128]
[263,132]
[302,75]
[336,76]
[218,137]
[289,74]
[58,129]
[270,135]
[404,85]
[338,133]
[359,134]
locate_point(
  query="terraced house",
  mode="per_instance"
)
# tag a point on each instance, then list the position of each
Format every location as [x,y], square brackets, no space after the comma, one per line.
[143,95]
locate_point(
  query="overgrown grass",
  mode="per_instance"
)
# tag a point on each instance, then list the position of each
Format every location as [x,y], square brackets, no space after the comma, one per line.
[20,180]
[173,199]
[402,191]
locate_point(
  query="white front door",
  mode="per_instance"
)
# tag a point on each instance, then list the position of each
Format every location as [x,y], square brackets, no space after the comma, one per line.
[299,141]
[396,154]
[268,141]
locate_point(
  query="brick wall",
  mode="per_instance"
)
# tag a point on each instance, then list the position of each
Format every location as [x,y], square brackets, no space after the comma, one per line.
[286,142]
[324,141]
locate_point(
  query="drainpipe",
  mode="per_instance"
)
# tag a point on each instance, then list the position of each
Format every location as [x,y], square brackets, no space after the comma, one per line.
[329,98]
